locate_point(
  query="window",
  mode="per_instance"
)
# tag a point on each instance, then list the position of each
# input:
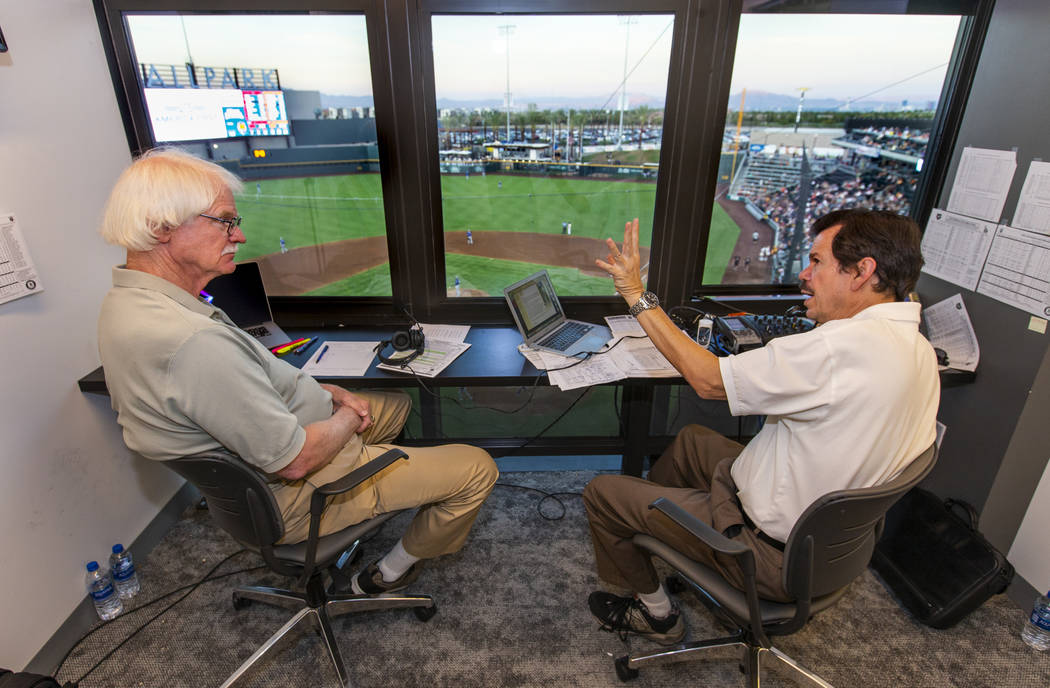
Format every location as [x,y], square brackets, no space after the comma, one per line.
[821,116]
[285,102]
[549,133]
[409,125]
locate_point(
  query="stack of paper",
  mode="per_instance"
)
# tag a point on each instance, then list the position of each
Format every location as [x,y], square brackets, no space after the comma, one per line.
[634,356]
[437,353]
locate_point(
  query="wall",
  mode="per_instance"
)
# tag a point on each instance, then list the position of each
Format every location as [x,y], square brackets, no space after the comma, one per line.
[994,451]
[69,489]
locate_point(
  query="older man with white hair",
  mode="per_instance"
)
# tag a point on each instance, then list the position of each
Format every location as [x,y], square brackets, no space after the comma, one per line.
[184,379]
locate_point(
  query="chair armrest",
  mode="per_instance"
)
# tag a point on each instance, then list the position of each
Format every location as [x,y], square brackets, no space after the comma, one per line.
[700,530]
[360,474]
[344,484]
[720,543]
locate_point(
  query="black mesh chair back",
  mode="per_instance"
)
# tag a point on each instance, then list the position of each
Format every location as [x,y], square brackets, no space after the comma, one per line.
[238,497]
[833,540]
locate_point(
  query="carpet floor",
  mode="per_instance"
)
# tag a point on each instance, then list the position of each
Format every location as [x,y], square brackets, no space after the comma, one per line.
[512,611]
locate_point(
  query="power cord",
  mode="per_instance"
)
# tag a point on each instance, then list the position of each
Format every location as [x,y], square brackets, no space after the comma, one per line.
[191,588]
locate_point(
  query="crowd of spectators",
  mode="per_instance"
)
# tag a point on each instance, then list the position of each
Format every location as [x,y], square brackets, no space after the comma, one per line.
[897,139]
[876,189]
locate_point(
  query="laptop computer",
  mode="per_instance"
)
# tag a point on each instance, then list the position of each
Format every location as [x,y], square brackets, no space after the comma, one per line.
[241,296]
[542,322]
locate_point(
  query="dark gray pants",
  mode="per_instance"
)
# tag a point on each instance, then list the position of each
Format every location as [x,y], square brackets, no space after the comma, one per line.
[694,473]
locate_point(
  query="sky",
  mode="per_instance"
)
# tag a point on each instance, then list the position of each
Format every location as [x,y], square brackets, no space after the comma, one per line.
[843,56]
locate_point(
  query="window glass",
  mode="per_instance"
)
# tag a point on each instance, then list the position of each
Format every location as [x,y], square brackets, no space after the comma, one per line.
[549,131]
[822,115]
[285,102]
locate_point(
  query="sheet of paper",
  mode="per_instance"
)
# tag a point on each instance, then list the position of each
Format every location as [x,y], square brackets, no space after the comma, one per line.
[955,247]
[949,328]
[344,359]
[435,358]
[533,356]
[624,326]
[982,182]
[18,275]
[1033,207]
[446,333]
[595,370]
[641,358]
[1017,271]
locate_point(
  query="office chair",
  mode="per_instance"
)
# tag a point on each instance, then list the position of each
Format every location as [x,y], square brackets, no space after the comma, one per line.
[242,504]
[829,546]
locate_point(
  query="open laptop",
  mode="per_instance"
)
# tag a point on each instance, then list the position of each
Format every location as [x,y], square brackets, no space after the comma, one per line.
[542,322]
[241,296]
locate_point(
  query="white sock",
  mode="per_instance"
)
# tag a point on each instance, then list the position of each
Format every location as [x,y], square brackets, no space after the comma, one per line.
[396,562]
[658,603]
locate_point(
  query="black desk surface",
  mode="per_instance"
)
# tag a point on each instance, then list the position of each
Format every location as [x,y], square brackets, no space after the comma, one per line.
[492,360]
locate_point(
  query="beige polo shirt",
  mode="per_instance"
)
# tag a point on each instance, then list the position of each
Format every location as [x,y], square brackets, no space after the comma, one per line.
[184,379]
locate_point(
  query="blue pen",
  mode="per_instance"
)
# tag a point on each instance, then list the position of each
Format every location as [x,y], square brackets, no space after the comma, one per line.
[306,345]
[321,355]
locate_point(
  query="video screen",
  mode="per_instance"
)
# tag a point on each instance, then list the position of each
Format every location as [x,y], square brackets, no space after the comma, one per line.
[190,114]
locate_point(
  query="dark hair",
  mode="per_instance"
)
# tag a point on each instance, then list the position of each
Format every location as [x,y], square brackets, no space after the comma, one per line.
[891,240]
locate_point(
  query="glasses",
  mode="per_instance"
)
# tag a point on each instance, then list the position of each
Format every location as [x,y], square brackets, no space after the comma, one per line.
[230,222]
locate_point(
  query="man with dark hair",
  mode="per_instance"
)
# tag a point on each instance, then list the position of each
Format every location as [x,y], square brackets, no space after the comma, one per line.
[849,404]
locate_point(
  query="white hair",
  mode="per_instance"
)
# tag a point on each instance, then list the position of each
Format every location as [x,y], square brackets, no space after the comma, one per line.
[162,189]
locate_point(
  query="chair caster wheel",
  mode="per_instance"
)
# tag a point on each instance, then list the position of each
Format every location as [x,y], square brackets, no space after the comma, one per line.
[241,602]
[425,614]
[624,672]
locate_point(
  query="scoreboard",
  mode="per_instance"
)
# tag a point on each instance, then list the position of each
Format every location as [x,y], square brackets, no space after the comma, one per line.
[192,114]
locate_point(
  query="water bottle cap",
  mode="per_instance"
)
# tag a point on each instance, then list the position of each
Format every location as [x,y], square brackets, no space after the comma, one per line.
[118,548]
[92,566]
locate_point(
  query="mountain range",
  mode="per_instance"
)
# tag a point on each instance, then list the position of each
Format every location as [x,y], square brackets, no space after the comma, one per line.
[755,100]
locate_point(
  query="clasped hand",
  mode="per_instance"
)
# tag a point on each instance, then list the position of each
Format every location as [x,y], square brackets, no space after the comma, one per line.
[360,406]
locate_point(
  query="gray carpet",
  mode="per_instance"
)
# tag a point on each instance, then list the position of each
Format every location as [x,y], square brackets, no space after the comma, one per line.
[512,612]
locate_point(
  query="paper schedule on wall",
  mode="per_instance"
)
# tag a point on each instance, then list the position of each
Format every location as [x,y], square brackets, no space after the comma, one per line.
[1017,271]
[18,275]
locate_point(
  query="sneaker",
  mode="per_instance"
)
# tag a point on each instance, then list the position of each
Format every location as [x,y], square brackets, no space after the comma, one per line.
[369,581]
[624,615]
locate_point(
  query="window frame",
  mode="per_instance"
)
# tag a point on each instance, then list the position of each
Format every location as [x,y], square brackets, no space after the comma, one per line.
[399,36]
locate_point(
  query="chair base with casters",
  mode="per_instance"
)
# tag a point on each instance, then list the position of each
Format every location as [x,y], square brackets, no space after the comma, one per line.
[320,606]
[242,504]
[829,546]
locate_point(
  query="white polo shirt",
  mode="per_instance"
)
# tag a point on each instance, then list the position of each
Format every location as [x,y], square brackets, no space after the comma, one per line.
[849,404]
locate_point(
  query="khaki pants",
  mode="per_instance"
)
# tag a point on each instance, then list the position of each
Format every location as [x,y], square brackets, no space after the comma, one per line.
[693,473]
[447,483]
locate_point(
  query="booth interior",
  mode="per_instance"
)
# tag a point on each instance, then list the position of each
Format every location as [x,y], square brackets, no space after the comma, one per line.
[369,215]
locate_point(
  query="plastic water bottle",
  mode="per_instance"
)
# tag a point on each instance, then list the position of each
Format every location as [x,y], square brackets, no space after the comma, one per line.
[1036,631]
[103,594]
[123,569]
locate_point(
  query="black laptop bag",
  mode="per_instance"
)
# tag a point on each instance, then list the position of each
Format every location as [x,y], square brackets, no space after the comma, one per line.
[935,561]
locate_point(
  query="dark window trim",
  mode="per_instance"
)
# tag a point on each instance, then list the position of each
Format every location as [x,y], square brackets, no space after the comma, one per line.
[702,56]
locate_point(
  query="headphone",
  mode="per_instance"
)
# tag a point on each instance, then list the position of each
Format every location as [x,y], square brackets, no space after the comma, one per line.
[410,340]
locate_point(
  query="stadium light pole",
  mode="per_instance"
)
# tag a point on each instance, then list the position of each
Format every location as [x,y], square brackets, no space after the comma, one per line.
[801,99]
[506,30]
[627,21]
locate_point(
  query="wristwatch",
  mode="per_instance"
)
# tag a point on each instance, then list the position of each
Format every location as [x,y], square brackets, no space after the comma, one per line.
[647,301]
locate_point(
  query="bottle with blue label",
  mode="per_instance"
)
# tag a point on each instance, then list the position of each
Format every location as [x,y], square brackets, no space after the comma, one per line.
[123,569]
[1036,631]
[103,593]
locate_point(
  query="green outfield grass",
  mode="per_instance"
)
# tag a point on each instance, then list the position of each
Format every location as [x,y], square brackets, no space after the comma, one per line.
[720,244]
[309,211]
[485,274]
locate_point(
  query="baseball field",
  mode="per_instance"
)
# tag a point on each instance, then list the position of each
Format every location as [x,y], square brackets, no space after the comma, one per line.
[326,236]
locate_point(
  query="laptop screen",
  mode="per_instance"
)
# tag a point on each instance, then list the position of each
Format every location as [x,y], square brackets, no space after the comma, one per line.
[534,303]
[240,295]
